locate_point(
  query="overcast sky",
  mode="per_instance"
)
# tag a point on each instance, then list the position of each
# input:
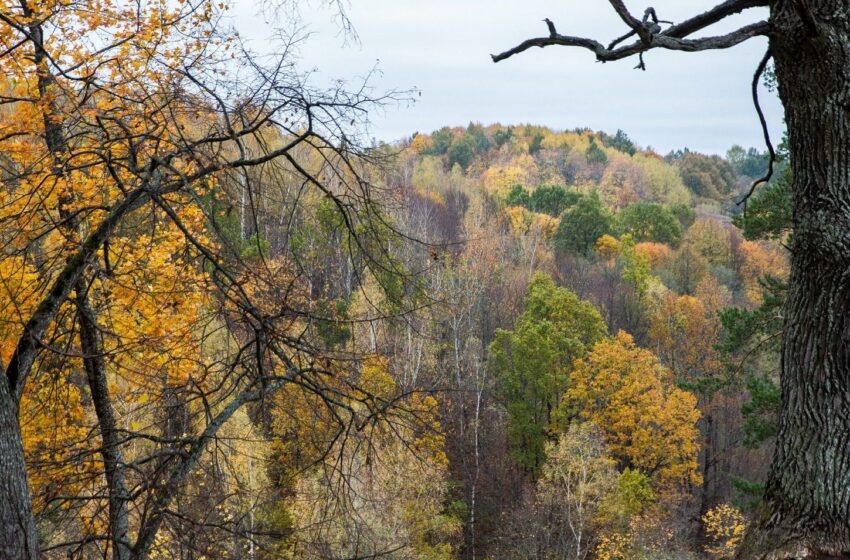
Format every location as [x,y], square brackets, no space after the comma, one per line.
[442,48]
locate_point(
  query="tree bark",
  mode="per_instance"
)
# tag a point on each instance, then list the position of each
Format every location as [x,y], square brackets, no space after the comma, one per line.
[18,536]
[806,507]
[113,460]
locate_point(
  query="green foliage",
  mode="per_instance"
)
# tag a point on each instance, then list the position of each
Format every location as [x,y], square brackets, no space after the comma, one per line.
[750,163]
[634,492]
[545,199]
[582,225]
[441,140]
[748,493]
[503,135]
[255,248]
[595,154]
[480,141]
[752,341]
[768,212]
[552,199]
[650,222]
[761,411]
[636,268]
[535,143]
[532,363]
[685,214]
[518,196]
[621,142]
[746,330]
[461,151]
[330,323]
[707,176]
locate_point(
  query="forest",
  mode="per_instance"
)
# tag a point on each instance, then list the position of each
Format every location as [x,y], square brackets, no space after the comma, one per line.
[231,327]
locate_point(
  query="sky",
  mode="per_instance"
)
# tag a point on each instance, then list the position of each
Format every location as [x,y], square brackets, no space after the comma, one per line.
[442,49]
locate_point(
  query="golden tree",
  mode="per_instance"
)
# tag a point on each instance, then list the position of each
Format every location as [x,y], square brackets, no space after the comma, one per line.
[129,133]
[649,424]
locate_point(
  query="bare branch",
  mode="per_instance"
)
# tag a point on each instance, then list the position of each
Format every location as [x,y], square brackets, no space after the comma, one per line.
[712,16]
[763,121]
[661,41]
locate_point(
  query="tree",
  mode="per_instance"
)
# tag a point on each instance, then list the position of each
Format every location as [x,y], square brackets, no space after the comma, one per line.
[685,214]
[532,363]
[710,239]
[582,225]
[518,196]
[685,330]
[546,199]
[595,154]
[482,142]
[649,222]
[750,163]
[687,268]
[806,510]
[724,526]
[441,140]
[664,184]
[128,148]
[768,211]
[621,142]
[461,150]
[577,476]
[706,176]
[569,506]
[649,423]
[380,493]
[552,199]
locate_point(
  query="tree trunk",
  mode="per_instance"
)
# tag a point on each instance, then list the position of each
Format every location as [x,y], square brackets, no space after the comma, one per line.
[113,461]
[806,508]
[18,537]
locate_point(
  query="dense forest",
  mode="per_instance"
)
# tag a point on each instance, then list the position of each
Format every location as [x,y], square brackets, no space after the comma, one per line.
[231,327]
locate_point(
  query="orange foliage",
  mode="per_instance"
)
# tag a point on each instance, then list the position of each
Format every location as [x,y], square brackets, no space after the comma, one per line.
[685,329]
[649,423]
[656,253]
[758,259]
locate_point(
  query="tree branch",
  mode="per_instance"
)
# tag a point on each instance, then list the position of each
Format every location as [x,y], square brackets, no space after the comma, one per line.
[712,16]
[662,41]
[763,121]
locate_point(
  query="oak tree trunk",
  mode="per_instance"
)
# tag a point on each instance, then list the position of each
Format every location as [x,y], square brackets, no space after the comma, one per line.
[18,537]
[806,510]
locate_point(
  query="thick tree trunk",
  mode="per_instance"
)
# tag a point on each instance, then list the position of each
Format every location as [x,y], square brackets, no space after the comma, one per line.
[806,511]
[18,537]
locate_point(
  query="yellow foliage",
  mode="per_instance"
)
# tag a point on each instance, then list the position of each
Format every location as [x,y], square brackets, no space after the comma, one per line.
[524,221]
[725,526]
[686,331]
[645,537]
[607,246]
[389,475]
[18,282]
[421,143]
[521,170]
[709,238]
[60,457]
[648,422]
